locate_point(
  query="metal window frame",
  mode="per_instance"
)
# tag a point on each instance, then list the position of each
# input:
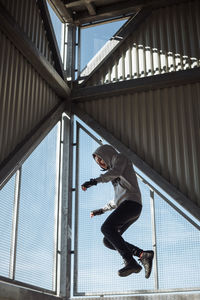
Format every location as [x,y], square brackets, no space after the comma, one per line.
[66,207]
[57,204]
[14,234]
[69,51]
[76,212]
[152,191]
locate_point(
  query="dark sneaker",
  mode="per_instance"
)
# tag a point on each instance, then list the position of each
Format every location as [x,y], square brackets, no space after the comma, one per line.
[147,259]
[130,267]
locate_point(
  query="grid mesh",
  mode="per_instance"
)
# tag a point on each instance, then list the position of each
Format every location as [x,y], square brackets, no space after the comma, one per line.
[177,241]
[178,244]
[97,265]
[35,244]
[6,214]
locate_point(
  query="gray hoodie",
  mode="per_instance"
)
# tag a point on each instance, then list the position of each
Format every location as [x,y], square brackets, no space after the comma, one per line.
[122,175]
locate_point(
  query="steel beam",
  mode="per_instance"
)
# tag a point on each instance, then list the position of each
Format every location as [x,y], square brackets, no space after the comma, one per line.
[70,41]
[136,85]
[90,7]
[66,207]
[61,11]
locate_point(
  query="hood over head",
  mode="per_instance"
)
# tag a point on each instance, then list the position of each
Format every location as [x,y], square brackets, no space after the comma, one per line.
[106,152]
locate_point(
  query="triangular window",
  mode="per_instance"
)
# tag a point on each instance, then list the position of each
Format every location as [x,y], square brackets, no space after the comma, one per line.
[94,38]
[57,26]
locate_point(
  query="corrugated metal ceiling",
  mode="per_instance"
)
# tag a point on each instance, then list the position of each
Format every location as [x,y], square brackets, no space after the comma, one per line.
[88,12]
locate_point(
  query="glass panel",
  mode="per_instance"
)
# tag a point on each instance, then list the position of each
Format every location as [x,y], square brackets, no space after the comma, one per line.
[6,214]
[94,38]
[57,25]
[35,244]
[178,244]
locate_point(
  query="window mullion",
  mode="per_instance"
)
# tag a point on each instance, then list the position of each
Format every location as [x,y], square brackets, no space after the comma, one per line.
[13,249]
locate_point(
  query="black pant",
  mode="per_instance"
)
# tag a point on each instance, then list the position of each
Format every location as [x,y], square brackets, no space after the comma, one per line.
[116,224]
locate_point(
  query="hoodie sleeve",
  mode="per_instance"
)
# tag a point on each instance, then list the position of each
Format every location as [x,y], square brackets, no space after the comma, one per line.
[119,163]
[109,206]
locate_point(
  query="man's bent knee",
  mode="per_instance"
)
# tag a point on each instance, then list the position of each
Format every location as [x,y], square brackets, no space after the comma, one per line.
[108,244]
[104,228]
[108,228]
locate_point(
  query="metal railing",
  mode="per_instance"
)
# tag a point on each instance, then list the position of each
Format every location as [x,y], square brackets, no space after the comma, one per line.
[140,61]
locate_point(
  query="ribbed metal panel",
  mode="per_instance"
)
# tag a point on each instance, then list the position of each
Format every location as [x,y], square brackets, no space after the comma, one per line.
[168,40]
[27,15]
[25,98]
[161,127]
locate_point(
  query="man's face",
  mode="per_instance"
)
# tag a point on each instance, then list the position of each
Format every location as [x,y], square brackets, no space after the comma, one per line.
[100,162]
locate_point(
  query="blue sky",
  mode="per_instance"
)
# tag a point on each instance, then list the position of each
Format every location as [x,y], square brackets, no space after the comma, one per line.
[93,39]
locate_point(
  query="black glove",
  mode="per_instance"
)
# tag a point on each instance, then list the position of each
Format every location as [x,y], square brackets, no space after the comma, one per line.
[90,183]
[97,212]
